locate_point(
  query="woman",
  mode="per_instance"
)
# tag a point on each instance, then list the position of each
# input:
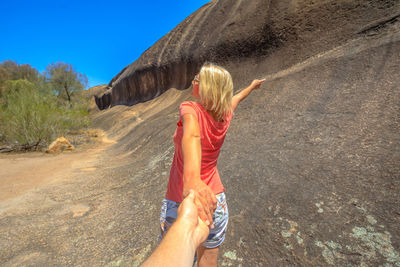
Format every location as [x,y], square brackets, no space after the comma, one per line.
[198,139]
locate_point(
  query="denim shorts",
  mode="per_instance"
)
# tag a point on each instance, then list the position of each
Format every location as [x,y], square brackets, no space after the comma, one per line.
[169,211]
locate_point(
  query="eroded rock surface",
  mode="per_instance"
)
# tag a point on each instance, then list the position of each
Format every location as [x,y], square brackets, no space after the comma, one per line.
[222,31]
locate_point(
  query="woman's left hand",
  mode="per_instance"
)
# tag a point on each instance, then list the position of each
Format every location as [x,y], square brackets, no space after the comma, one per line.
[256,83]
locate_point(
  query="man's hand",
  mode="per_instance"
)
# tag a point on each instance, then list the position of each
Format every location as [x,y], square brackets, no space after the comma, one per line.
[179,245]
[188,215]
[205,200]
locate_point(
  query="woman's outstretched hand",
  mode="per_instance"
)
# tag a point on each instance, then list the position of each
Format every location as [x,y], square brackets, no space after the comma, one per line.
[256,83]
[236,99]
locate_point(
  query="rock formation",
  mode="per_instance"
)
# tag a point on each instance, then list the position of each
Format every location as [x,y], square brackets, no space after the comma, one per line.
[310,161]
[222,31]
[59,145]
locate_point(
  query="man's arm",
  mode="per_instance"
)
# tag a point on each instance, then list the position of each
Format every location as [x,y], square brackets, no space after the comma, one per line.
[236,99]
[191,148]
[181,241]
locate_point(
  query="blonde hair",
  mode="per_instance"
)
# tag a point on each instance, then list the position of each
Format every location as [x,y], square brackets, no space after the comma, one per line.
[216,90]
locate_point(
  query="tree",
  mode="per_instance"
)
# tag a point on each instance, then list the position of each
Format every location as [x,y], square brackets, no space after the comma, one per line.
[11,71]
[27,117]
[31,113]
[32,118]
[65,79]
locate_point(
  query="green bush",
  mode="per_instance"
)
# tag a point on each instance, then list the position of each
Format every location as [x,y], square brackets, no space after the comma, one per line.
[30,116]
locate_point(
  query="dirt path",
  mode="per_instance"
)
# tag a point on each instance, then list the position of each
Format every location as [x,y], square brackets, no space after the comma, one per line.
[20,173]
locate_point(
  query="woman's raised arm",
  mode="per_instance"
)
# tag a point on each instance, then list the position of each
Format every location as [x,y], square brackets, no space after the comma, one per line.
[236,99]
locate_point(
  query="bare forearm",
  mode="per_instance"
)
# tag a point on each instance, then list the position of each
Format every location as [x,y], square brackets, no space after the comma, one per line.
[176,249]
[240,96]
[244,93]
[191,162]
[181,241]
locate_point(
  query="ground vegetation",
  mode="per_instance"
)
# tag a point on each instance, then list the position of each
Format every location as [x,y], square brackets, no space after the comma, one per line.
[36,108]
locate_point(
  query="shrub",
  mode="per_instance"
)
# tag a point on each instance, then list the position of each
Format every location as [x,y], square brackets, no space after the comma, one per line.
[31,117]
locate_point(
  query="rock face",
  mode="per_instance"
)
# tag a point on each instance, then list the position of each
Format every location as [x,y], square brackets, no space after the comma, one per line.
[310,162]
[222,31]
[93,93]
[214,32]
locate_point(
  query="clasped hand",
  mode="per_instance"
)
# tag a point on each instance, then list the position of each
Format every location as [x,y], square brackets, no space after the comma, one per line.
[205,200]
[188,213]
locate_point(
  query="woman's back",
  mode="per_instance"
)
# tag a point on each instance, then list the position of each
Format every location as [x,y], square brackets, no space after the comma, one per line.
[212,136]
[212,132]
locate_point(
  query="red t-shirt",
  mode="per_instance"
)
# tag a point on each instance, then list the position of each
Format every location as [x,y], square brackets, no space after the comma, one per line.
[212,135]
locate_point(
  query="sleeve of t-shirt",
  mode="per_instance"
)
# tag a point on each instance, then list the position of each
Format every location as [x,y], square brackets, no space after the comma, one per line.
[186,108]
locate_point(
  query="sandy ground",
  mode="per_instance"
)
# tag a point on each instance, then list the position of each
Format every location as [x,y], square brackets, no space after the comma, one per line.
[23,172]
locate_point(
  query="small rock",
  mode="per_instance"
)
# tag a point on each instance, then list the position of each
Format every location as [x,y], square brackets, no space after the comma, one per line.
[79,210]
[59,145]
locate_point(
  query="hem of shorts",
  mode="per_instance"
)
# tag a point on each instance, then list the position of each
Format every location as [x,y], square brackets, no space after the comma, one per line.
[165,198]
[215,246]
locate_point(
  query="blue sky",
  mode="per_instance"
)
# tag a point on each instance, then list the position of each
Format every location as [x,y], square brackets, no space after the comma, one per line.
[98,37]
